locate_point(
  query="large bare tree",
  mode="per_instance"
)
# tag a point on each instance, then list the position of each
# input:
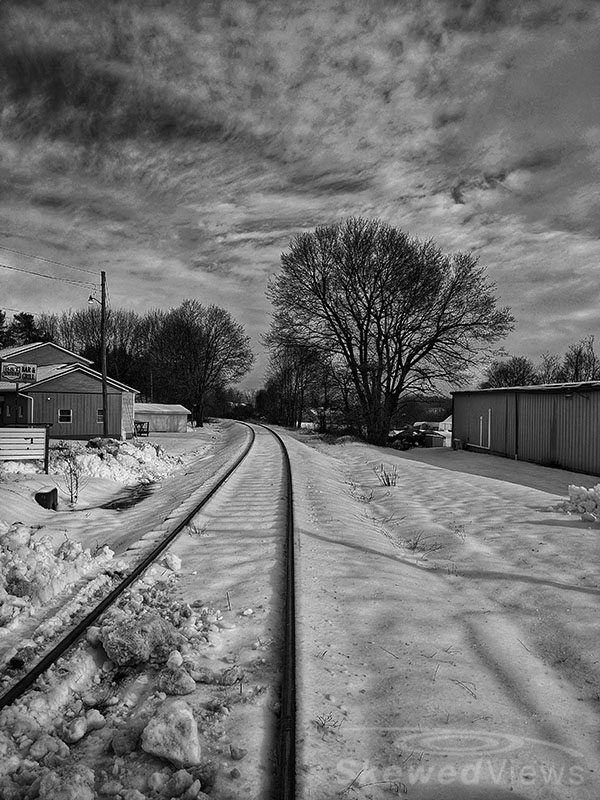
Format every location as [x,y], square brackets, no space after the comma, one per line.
[196,350]
[296,373]
[402,314]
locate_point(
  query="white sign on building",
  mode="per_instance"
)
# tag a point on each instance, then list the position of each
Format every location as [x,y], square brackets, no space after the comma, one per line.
[18,373]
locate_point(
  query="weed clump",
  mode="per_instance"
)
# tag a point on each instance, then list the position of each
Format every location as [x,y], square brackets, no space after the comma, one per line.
[386,477]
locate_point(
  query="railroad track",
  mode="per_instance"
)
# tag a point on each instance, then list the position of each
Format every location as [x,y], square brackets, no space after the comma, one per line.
[248,512]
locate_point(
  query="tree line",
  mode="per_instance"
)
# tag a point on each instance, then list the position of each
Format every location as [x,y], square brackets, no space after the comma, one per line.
[580,362]
[190,354]
[367,320]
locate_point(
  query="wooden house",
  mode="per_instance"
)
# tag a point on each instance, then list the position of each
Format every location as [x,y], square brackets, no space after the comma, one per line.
[61,390]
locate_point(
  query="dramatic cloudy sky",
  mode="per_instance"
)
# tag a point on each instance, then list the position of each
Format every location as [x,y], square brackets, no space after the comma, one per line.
[472,122]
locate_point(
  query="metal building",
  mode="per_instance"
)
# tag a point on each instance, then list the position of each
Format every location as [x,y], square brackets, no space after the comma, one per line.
[557,425]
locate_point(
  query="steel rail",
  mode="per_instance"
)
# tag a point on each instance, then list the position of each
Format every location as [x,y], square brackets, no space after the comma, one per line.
[286,751]
[57,651]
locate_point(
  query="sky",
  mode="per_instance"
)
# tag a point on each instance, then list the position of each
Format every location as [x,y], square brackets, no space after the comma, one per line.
[472,122]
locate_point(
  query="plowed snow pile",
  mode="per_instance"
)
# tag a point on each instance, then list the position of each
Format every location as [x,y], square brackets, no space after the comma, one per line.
[35,568]
[127,462]
[32,572]
[585,502]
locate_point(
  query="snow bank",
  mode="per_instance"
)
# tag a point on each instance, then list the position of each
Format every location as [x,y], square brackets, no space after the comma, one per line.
[585,502]
[125,462]
[20,467]
[32,571]
[169,640]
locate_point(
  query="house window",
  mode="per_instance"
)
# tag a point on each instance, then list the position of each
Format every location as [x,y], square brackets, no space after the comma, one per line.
[8,411]
[20,412]
[100,416]
[65,415]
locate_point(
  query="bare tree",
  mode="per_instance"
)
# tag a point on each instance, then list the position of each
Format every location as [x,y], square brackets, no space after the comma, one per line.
[400,313]
[580,362]
[548,370]
[126,338]
[197,350]
[60,329]
[296,372]
[513,371]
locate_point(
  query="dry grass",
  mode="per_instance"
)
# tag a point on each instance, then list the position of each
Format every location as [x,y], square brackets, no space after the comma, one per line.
[421,543]
[385,476]
[328,726]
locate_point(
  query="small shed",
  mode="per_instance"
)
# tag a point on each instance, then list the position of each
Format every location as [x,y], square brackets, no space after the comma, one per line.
[162,417]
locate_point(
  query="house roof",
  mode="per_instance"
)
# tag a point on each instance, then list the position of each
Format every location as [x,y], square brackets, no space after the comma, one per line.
[542,387]
[43,373]
[161,408]
[64,369]
[23,349]
[52,371]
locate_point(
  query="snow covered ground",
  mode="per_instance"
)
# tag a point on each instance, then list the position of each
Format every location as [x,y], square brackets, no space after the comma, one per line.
[447,625]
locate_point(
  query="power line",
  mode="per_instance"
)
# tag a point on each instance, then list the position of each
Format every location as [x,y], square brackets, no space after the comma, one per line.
[47,260]
[88,284]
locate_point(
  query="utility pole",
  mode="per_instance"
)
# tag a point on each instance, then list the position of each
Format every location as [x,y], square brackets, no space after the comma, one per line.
[103,354]
[102,302]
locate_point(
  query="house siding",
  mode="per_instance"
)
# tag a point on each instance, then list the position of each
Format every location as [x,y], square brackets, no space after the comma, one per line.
[127,414]
[75,382]
[85,407]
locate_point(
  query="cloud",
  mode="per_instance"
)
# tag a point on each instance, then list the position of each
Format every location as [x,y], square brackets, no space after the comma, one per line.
[535,126]
[476,124]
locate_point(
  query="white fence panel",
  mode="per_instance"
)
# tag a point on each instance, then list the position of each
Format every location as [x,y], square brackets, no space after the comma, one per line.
[21,444]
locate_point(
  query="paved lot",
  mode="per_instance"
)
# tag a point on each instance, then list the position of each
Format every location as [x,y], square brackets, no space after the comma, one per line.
[523,473]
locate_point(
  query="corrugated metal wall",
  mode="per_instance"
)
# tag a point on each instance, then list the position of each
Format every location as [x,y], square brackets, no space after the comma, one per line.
[537,426]
[559,429]
[578,431]
[494,412]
